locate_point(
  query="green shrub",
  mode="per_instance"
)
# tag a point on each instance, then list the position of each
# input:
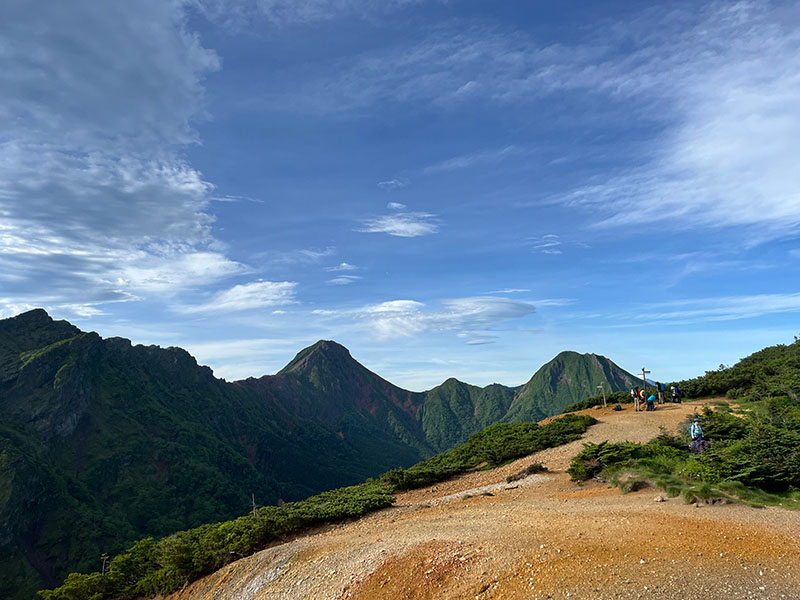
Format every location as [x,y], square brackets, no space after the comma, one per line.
[494,446]
[152,567]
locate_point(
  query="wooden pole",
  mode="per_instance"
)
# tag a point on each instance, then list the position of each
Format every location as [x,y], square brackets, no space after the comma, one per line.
[603,389]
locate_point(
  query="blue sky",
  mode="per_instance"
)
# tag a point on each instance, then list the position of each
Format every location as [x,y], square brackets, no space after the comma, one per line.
[448,188]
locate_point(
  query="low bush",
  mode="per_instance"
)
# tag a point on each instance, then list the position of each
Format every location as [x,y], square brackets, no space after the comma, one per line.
[493,446]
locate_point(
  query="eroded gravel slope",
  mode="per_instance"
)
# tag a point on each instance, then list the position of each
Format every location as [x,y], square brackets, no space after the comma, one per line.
[543,537]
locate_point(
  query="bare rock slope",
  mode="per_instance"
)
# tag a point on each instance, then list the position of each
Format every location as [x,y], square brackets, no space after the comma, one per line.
[542,537]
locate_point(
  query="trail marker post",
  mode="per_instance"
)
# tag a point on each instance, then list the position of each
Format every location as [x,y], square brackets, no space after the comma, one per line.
[602,388]
[644,381]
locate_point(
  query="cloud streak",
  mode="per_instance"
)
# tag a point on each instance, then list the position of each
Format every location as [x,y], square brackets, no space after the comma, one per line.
[402,224]
[247,296]
[405,318]
[729,158]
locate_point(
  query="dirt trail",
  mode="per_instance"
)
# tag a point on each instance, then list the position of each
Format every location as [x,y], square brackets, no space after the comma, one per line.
[542,537]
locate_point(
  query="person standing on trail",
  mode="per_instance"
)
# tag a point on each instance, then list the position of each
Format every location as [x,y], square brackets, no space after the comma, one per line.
[635,398]
[696,433]
[676,394]
[661,389]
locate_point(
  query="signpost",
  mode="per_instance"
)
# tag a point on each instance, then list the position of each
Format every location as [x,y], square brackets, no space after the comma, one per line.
[602,388]
[644,381]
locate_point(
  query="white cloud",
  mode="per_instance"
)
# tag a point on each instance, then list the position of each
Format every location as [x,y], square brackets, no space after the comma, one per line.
[726,308]
[344,280]
[510,291]
[394,184]
[730,88]
[475,159]
[547,244]
[342,267]
[289,12]
[396,206]
[402,224]
[96,203]
[248,296]
[302,256]
[467,316]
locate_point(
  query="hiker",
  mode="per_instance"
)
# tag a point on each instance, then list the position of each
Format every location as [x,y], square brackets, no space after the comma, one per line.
[676,394]
[635,397]
[661,389]
[696,433]
[651,402]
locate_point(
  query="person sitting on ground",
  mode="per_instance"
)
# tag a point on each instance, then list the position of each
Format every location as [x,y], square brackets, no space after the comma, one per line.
[651,402]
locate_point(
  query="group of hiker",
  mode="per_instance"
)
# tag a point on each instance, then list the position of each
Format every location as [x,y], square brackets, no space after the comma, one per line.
[638,396]
[699,444]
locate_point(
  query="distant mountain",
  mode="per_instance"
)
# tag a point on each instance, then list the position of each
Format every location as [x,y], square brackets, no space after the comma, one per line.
[453,411]
[325,384]
[103,442]
[568,378]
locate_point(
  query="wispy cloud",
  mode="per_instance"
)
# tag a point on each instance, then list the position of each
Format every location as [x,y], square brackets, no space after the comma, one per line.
[510,291]
[468,316]
[402,224]
[289,12]
[547,244]
[394,184]
[726,308]
[292,257]
[475,159]
[344,280]
[396,206]
[247,296]
[729,85]
[341,267]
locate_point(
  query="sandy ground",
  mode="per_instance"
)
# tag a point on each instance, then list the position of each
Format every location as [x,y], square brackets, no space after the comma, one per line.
[542,537]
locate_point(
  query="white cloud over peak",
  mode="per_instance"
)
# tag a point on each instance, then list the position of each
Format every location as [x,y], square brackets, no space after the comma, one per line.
[248,296]
[466,316]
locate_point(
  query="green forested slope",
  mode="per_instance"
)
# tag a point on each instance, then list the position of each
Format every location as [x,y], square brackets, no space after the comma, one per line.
[103,442]
[455,410]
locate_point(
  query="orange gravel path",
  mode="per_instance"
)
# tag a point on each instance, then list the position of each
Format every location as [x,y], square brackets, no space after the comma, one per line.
[542,537]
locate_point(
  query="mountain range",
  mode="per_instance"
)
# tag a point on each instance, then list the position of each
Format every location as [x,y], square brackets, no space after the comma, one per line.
[103,442]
